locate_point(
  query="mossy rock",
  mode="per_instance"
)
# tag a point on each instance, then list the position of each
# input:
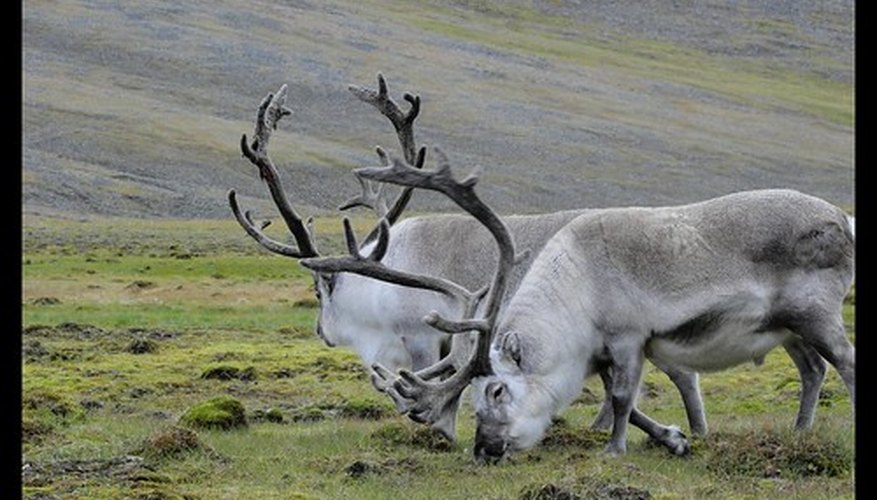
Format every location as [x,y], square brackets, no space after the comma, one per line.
[223,412]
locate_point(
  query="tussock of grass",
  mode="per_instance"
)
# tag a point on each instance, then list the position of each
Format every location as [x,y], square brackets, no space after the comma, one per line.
[171,442]
[547,492]
[395,434]
[561,434]
[587,487]
[273,415]
[770,454]
[55,404]
[141,346]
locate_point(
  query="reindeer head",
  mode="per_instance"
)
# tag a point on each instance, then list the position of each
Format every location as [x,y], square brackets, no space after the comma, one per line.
[509,410]
[425,400]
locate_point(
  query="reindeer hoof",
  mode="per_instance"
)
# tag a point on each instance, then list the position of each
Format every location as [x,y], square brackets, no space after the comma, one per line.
[677,442]
[613,450]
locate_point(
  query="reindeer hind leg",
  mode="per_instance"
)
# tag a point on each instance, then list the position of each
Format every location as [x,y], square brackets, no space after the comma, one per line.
[811,368]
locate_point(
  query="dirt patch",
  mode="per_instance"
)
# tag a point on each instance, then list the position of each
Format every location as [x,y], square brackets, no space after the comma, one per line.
[138,285]
[124,467]
[45,301]
[34,350]
[64,330]
[360,468]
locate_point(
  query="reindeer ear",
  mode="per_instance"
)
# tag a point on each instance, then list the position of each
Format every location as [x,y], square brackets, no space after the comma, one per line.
[511,347]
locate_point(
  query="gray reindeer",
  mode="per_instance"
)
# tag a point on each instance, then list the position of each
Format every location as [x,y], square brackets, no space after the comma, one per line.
[699,287]
[353,308]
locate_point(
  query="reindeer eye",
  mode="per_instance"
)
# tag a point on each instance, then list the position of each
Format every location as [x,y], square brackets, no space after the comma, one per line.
[496,390]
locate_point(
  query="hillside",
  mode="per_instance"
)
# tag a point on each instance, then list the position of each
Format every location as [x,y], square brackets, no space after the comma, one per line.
[136,109]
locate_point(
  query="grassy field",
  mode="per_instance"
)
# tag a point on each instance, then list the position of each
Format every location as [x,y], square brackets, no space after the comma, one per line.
[129,324]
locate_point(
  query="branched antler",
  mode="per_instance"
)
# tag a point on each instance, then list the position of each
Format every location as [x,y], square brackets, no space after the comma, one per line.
[403,123]
[271,110]
[371,197]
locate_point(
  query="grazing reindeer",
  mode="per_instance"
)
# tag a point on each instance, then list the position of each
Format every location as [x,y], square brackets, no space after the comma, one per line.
[353,308]
[699,287]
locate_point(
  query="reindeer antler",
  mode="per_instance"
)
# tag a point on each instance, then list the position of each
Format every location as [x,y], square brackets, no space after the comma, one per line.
[403,123]
[271,110]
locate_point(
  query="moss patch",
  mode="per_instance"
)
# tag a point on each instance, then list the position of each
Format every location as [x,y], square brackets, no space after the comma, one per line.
[223,412]
[226,372]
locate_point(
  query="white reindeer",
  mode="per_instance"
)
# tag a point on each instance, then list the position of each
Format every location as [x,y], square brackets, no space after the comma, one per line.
[699,287]
[353,309]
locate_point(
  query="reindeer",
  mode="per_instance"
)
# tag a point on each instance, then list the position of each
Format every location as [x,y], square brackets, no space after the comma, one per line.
[454,247]
[699,287]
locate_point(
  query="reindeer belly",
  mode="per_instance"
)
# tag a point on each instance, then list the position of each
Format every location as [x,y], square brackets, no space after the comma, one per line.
[710,343]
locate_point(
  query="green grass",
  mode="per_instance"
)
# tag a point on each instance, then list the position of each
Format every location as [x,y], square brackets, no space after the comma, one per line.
[89,400]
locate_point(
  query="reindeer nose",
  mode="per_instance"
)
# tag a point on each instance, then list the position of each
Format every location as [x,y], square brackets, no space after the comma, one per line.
[490,452]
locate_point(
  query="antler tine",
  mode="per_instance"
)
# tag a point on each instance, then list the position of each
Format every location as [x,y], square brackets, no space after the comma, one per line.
[271,110]
[246,221]
[463,194]
[371,197]
[403,123]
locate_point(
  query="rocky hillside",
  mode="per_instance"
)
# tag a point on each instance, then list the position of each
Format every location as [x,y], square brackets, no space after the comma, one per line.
[137,108]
